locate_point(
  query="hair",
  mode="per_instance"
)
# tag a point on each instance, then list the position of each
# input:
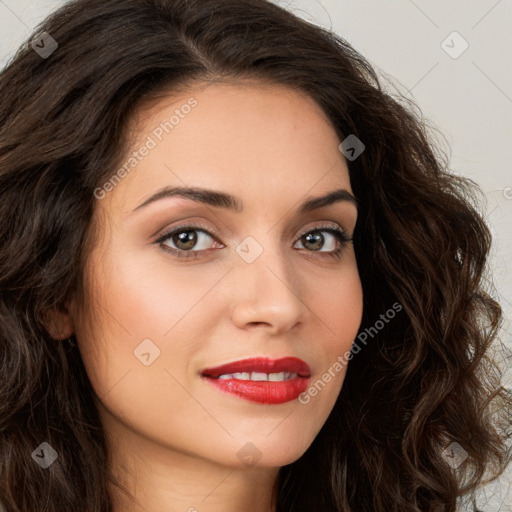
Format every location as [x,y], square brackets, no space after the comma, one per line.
[428,379]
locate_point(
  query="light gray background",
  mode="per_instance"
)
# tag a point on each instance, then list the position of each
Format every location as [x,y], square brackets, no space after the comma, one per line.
[468,98]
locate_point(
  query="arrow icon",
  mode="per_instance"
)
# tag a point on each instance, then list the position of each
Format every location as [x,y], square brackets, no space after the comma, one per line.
[351,147]
[249,454]
[44,44]
[143,354]
[44,455]
[249,253]
[454,45]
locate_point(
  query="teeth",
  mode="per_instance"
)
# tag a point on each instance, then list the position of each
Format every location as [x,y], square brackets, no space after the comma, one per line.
[259,376]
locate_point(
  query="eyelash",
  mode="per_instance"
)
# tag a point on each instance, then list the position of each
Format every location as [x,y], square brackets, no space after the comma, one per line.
[339,233]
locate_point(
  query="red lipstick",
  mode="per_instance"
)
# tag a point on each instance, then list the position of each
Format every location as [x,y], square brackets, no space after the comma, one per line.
[260,379]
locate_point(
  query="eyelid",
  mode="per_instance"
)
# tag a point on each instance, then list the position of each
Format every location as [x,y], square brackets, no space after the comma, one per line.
[323,225]
[191,225]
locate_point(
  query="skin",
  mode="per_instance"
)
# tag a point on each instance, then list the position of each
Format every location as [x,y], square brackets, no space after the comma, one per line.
[175,438]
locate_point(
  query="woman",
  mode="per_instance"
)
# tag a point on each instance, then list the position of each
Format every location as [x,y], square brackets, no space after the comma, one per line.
[326,347]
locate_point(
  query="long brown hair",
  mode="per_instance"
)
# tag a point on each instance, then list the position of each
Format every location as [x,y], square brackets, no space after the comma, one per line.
[425,383]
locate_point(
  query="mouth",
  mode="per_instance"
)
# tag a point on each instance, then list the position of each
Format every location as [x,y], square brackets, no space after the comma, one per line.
[261,380]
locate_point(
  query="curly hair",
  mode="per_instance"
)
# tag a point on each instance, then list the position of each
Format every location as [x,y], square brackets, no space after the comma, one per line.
[429,379]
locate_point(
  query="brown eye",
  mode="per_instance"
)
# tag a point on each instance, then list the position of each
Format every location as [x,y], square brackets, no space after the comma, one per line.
[314,240]
[186,239]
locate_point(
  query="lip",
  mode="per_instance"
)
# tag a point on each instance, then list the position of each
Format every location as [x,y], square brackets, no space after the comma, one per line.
[261,364]
[264,392]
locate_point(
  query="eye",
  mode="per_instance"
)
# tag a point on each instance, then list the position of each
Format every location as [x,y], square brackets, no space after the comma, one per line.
[185,238]
[190,240]
[314,240]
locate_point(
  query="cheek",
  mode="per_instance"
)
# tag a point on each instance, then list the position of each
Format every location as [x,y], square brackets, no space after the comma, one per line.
[152,295]
[339,306]
[145,305]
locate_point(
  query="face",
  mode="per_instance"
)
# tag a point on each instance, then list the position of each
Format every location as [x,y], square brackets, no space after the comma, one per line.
[269,286]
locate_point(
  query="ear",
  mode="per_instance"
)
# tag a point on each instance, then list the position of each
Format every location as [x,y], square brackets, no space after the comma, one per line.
[59,323]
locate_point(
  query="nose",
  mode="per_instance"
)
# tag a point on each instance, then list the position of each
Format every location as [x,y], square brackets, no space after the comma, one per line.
[267,293]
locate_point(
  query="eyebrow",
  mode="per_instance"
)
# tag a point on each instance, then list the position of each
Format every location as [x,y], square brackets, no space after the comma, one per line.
[222,200]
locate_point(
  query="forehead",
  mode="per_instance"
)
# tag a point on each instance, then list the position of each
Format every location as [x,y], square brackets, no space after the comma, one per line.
[250,139]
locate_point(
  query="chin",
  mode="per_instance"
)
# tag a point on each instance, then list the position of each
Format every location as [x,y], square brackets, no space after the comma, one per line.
[273,451]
